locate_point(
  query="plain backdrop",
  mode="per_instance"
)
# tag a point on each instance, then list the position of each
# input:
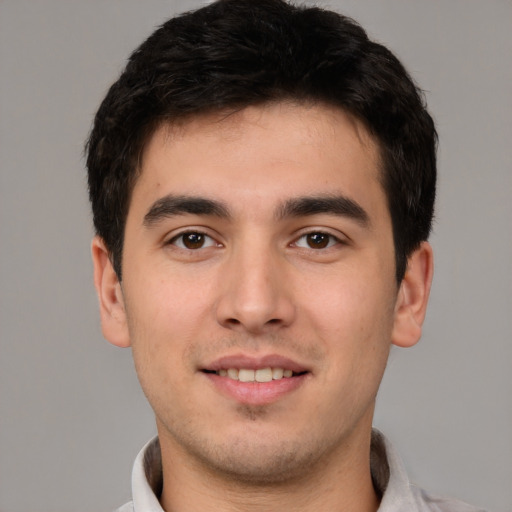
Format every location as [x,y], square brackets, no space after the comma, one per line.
[72,417]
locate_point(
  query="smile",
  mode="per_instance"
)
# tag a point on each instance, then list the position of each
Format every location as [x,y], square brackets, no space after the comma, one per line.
[259,375]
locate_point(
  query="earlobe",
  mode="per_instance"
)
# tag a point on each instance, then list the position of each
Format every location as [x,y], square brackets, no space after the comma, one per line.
[411,304]
[112,310]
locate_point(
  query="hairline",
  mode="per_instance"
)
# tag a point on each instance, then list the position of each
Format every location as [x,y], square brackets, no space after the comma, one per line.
[154,125]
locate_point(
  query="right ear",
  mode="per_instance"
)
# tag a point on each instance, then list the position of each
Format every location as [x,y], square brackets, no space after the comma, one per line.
[110,295]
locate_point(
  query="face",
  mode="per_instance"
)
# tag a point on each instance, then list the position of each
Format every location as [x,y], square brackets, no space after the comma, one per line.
[259,290]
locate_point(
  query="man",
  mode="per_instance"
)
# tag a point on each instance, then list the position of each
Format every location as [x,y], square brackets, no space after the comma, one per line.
[262,178]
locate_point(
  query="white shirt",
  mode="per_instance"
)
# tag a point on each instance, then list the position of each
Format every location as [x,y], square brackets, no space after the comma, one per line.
[388,474]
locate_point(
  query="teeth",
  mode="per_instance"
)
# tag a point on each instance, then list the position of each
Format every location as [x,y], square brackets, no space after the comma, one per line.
[277,373]
[233,374]
[246,375]
[261,375]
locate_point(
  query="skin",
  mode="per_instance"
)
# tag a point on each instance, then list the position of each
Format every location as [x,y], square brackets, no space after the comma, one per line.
[260,286]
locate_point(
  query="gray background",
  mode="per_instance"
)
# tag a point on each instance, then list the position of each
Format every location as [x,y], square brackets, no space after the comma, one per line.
[72,416]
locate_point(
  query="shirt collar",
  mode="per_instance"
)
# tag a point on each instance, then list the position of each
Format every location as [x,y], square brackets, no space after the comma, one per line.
[147,478]
[389,476]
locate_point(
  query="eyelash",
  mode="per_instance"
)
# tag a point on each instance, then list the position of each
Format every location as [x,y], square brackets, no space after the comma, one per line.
[200,234]
[203,237]
[332,240]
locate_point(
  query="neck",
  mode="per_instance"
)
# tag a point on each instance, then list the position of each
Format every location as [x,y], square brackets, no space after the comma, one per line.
[338,481]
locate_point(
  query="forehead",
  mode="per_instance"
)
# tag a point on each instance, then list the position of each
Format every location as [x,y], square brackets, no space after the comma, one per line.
[262,151]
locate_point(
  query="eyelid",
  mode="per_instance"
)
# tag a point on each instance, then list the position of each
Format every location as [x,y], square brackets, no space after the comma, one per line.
[176,235]
[332,242]
[339,237]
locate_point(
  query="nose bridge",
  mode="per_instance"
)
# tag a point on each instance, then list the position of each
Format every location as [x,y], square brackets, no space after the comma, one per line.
[254,296]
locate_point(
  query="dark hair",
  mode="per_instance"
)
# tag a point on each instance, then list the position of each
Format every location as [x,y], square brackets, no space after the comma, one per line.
[235,53]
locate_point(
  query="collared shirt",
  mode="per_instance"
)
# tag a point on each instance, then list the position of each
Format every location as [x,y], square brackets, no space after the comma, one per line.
[388,475]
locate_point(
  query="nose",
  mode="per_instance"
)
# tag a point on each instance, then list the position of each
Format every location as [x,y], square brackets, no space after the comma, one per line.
[255,295]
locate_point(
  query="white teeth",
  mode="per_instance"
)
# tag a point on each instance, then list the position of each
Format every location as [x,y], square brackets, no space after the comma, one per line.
[246,375]
[261,375]
[233,373]
[277,373]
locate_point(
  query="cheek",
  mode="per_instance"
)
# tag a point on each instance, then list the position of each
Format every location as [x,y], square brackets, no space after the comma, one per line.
[171,303]
[350,304]
[354,319]
[166,316]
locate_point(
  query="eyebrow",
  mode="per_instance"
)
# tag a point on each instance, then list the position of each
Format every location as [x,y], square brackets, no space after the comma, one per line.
[330,204]
[171,206]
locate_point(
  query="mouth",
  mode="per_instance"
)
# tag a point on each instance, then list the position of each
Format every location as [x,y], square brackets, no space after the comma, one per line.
[267,374]
[256,380]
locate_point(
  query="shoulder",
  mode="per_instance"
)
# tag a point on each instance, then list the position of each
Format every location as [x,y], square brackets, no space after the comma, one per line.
[127,507]
[430,503]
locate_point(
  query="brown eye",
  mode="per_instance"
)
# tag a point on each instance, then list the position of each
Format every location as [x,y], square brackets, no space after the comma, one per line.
[193,240]
[316,240]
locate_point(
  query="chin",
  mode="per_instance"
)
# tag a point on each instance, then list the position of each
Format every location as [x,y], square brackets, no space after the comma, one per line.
[257,464]
[255,457]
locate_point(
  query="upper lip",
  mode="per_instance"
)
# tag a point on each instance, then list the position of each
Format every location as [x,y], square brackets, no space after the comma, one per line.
[255,362]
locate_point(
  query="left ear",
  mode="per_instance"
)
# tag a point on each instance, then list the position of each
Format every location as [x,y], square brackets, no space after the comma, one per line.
[412,299]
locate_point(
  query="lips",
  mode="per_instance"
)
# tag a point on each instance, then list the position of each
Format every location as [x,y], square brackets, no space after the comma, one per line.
[278,366]
[256,380]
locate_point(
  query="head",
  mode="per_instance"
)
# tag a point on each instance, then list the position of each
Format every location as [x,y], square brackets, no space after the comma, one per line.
[233,54]
[262,178]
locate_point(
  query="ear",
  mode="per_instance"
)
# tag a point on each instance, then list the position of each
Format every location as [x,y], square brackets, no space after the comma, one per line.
[112,311]
[412,299]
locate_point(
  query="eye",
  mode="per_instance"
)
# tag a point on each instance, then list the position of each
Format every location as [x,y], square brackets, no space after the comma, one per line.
[193,240]
[317,240]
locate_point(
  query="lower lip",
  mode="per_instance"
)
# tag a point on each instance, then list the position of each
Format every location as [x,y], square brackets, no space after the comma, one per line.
[256,393]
